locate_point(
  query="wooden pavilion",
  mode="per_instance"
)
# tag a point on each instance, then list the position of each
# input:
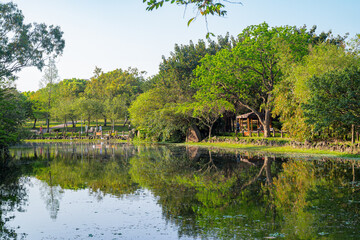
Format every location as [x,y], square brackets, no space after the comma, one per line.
[248,123]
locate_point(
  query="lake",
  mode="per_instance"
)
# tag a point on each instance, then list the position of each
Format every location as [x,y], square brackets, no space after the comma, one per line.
[123,191]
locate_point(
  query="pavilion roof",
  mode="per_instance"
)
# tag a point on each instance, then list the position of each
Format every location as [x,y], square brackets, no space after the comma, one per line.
[250,115]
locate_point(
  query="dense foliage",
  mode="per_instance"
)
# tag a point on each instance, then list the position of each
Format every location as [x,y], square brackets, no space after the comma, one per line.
[246,75]
[13,112]
[293,91]
[334,100]
[21,45]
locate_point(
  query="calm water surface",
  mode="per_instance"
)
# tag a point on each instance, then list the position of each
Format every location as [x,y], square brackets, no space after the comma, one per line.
[121,191]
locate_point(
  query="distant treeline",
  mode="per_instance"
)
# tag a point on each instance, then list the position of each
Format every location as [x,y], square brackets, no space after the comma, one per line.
[309,81]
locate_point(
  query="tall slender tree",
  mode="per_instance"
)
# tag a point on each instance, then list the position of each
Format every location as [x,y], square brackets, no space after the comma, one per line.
[50,78]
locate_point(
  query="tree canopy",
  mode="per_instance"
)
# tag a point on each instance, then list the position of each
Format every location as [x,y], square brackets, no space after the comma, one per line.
[23,45]
[334,99]
[293,91]
[246,75]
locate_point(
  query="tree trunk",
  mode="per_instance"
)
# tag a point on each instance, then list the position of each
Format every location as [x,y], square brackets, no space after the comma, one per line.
[105,122]
[352,133]
[65,124]
[210,128]
[266,124]
[113,125]
[34,123]
[193,134]
[267,163]
[126,119]
[47,124]
[73,123]
[87,130]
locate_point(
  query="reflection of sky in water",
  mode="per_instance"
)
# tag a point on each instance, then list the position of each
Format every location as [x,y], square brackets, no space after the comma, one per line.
[82,215]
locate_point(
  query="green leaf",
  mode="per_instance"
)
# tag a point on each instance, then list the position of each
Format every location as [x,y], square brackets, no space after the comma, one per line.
[209,34]
[191,19]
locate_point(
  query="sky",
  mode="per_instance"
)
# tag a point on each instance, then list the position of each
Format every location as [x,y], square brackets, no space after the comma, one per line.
[113,34]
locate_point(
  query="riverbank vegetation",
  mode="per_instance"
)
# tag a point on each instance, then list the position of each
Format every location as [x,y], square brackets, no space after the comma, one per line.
[302,83]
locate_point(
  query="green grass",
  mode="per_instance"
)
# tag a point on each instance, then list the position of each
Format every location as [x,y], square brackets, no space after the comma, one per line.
[29,125]
[118,125]
[73,140]
[70,131]
[279,150]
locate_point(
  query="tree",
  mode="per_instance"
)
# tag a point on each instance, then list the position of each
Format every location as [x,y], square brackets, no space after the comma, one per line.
[334,99]
[293,92]
[354,45]
[13,112]
[37,110]
[152,112]
[64,106]
[89,108]
[115,108]
[23,45]
[107,86]
[206,111]
[50,78]
[246,75]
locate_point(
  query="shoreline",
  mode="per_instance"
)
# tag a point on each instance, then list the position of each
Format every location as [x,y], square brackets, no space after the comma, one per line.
[281,150]
[275,146]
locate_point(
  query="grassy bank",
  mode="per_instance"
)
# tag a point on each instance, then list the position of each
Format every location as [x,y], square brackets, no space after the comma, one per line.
[74,140]
[276,149]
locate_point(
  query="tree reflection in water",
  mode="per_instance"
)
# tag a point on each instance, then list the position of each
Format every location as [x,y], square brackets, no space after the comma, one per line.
[13,196]
[208,193]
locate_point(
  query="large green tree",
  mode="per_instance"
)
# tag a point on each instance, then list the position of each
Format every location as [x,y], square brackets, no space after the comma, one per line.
[89,108]
[334,99]
[38,110]
[246,75]
[293,92]
[65,106]
[23,45]
[107,86]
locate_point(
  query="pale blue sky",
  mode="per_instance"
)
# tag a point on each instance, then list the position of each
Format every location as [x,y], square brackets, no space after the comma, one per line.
[114,34]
